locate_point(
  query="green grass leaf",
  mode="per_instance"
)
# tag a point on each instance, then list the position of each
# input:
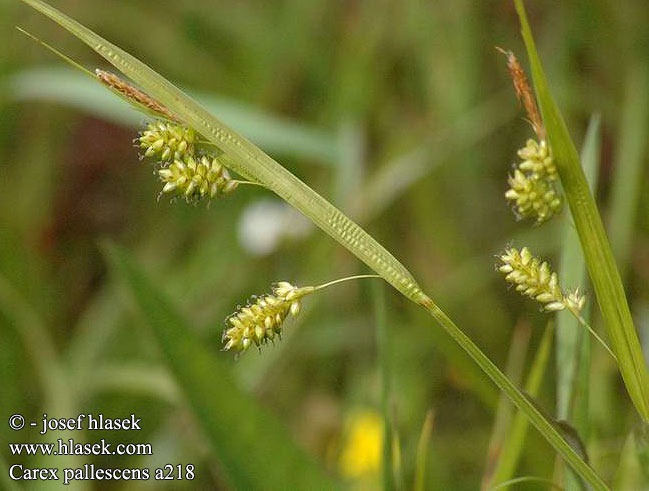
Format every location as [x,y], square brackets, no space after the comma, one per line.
[513,448]
[573,342]
[253,447]
[383,354]
[516,360]
[271,132]
[572,271]
[596,248]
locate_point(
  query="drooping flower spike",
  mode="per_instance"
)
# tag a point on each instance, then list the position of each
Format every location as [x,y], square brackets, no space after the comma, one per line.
[262,319]
[533,277]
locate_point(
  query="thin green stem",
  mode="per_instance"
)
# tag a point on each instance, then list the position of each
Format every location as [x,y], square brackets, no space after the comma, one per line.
[520,400]
[512,447]
[341,280]
[583,322]
[421,458]
[52,49]
[383,355]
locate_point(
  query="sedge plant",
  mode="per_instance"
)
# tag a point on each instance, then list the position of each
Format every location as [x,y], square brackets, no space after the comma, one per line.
[242,157]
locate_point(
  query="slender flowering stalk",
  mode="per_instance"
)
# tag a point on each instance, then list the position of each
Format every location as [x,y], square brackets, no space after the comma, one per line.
[263,317]
[533,277]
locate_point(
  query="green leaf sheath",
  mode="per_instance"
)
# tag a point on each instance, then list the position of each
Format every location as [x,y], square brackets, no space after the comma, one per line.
[253,164]
[597,251]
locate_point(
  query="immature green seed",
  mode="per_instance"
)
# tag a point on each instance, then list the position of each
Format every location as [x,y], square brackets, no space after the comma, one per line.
[262,319]
[167,141]
[534,278]
[197,178]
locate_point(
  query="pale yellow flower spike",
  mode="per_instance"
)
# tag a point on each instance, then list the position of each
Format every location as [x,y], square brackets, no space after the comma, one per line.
[197,178]
[262,319]
[534,278]
[188,173]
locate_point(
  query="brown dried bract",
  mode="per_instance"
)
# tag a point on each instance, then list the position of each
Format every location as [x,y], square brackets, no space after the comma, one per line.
[133,93]
[524,92]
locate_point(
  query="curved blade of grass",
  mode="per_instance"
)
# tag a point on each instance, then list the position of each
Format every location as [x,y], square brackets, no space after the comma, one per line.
[59,395]
[572,271]
[573,343]
[271,132]
[511,452]
[383,354]
[253,447]
[252,163]
[597,251]
[515,368]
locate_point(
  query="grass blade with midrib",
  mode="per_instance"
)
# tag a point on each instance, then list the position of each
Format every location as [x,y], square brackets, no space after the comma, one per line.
[597,251]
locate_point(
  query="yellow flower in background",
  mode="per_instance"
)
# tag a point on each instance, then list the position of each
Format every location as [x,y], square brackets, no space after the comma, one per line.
[363,449]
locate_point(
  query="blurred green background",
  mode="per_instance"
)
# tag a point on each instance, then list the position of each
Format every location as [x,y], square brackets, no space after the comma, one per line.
[400,112]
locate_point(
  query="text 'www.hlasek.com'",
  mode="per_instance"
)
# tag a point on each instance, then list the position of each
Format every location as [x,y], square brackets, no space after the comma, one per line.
[88,425]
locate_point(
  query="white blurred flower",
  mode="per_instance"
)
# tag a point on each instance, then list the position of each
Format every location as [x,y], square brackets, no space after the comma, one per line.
[265,223]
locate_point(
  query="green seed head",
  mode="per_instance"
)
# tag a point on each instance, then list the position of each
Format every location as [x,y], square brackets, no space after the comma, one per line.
[534,278]
[262,318]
